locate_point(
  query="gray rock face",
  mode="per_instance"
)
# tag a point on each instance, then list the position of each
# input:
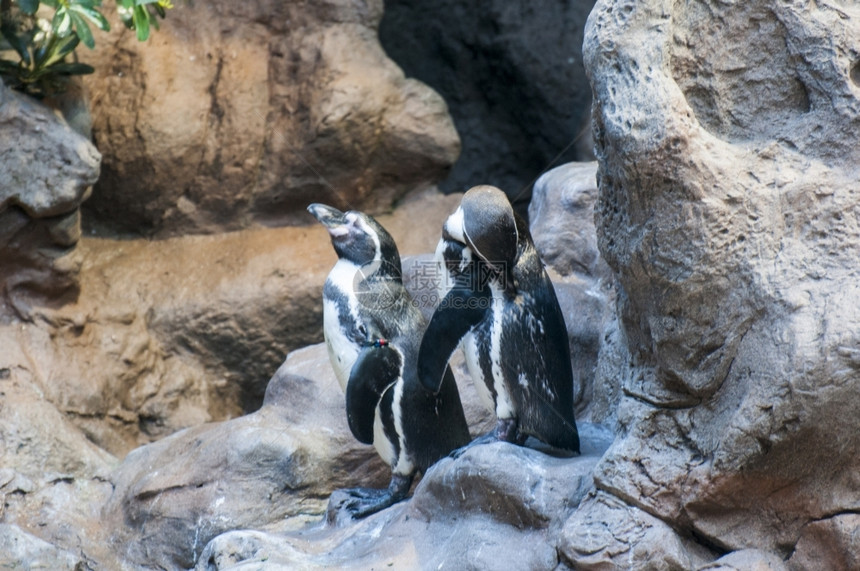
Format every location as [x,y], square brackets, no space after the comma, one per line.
[726,209]
[20,550]
[561,220]
[561,217]
[239,115]
[511,73]
[47,167]
[173,496]
[277,465]
[46,172]
[496,506]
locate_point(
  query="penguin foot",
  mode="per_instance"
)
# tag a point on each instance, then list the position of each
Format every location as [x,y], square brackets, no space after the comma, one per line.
[357,503]
[505,431]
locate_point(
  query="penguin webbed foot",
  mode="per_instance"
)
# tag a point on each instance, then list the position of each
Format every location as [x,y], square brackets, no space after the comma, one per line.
[505,431]
[508,430]
[357,503]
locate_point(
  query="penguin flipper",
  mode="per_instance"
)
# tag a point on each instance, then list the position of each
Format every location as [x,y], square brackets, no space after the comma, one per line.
[374,371]
[458,312]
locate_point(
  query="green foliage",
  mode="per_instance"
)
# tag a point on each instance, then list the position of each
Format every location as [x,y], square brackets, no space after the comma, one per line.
[37,37]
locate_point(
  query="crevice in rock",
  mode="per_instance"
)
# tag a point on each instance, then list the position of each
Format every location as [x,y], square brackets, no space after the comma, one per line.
[511,73]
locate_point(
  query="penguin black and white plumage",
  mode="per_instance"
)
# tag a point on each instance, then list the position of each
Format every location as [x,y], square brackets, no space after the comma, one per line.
[500,306]
[373,332]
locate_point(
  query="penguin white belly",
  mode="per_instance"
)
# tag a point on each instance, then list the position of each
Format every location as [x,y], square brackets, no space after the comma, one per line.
[342,352]
[380,441]
[404,463]
[504,405]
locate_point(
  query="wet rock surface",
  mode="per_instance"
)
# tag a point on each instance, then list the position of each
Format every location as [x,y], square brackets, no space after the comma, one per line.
[495,504]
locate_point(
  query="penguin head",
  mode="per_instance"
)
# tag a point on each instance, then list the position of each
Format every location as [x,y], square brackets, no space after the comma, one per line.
[485,222]
[357,237]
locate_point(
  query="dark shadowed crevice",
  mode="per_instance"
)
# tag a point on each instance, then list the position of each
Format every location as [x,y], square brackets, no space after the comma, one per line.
[511,72]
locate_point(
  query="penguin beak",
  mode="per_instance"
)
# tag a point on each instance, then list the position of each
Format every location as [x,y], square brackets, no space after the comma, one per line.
[333,219]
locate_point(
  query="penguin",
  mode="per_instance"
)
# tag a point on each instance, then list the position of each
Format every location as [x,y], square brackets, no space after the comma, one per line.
[499,305]
[373,332]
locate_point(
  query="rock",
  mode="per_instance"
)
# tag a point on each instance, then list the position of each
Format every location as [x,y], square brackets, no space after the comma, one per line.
[749,560]
[21,550]
[606,533]
[495,503]
[511,73]
[835,540]
[173,496]
[173,333]
[37,442]
[53,481]
[561,220]
[726,209]
[234,116]
[46,172]
[278,464]
[47,168]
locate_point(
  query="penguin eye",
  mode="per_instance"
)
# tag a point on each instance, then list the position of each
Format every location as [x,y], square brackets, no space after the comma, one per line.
[362,330]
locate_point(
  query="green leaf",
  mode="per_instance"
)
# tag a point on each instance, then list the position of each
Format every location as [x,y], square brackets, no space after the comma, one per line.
[83,29]
[18,43]
[141,23]
[61,24]
[93,16]
[72,68]
[29,7]
[66,45]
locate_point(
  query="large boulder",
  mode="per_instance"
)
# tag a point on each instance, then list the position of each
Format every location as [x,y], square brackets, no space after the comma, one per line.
[511,72]
[235,115]
[276,465]
[496,506]
[726,136]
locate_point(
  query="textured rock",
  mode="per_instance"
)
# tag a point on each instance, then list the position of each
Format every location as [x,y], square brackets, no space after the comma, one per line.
[496,504]
[241,114]
[728,211]
[283,461]
[753,560]
[173,333]
[561,220]
[511,72]
[37,442]
[173,496]
[46,172]
[835,540]
[47,168]
[21,550]
[606,533]
[561,216]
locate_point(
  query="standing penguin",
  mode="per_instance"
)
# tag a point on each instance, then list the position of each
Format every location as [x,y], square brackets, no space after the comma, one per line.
[373,332]
[501,306]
